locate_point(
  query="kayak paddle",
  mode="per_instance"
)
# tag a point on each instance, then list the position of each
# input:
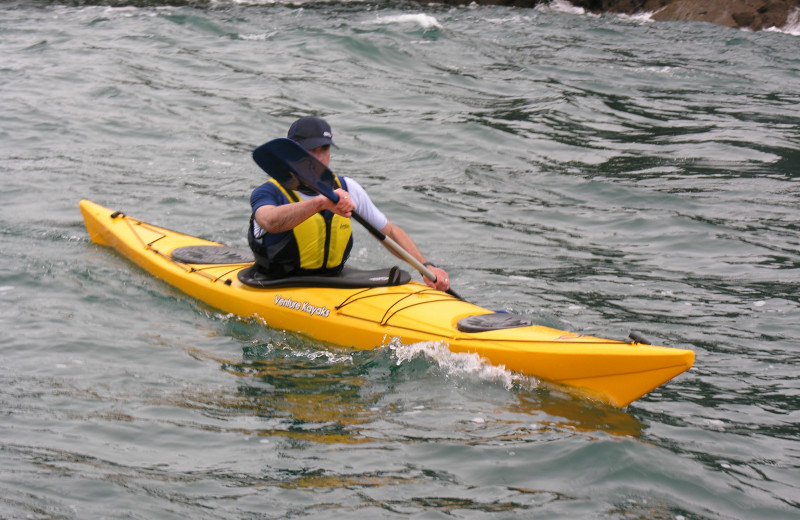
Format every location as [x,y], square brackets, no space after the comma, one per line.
[293,167]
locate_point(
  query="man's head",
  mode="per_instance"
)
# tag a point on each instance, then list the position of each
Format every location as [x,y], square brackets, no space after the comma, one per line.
[311,132]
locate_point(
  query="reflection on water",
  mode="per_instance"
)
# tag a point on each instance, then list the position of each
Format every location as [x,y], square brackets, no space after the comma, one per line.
[301,394]
[335,395]
[574,413]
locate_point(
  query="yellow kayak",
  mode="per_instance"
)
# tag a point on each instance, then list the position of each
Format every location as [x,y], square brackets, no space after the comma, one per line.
[367,309]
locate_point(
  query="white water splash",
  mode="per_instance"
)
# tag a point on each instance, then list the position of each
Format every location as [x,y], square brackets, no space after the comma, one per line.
[425,21]
[459,364]
[258,37]
[792,24]
[333,358]
[243,2]
[643,17]
[561,6]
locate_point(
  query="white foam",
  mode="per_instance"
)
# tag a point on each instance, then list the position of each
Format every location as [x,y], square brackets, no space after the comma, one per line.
[425,21]
[331,357]
[458,364]
[792,24]
[644,17]
[561,6]
[244,2]
[257,37]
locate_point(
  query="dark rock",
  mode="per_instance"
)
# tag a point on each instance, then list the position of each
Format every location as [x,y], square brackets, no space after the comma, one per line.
[744,18]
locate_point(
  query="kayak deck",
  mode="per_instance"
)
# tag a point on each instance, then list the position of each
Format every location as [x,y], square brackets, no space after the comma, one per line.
[614,372]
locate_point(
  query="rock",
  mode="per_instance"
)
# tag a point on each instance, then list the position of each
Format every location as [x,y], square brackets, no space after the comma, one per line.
[743,14]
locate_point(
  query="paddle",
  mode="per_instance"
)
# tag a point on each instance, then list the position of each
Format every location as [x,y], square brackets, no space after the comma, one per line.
[293,167]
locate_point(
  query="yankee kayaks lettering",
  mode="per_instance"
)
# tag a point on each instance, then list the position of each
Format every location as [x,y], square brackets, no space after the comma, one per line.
[367,309]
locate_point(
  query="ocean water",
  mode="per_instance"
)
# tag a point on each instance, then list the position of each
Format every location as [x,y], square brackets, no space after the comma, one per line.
[599,174]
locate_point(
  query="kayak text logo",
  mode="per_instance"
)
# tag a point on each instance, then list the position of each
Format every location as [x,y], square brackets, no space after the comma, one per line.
[311,310]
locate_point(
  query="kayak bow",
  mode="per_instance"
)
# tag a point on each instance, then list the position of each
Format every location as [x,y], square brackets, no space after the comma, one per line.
[367,309]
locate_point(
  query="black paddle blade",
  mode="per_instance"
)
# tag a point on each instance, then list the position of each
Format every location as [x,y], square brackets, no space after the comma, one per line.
[294,168]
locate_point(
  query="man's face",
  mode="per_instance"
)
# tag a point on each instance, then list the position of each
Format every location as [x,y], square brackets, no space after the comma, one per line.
[322,153]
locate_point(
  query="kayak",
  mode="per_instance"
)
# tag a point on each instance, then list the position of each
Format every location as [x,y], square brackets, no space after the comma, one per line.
[369,309]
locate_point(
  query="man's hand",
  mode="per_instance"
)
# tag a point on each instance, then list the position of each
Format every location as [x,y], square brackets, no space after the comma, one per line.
[345,206]
[442,279]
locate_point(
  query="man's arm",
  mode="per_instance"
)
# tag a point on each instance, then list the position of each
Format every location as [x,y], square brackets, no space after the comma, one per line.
[277,219]
[403,240]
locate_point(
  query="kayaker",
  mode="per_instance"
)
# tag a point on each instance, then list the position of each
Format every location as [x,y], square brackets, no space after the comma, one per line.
[296,233]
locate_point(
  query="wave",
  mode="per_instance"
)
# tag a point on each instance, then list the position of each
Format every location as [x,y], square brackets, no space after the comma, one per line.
[560,6]
[792,24]
[644,16]
[425,21]
[460,364]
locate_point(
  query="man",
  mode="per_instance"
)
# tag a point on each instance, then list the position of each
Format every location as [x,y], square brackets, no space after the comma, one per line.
[296,233]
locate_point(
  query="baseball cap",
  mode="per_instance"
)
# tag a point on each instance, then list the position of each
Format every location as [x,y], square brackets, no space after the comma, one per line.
[311,132]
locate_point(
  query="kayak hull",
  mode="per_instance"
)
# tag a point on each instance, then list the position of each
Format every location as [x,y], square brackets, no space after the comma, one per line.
[610,371]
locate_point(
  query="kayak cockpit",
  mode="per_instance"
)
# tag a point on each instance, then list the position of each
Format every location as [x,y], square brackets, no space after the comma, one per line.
[348,278]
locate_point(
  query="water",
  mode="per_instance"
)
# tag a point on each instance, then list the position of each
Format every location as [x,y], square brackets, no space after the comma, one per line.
[599,174]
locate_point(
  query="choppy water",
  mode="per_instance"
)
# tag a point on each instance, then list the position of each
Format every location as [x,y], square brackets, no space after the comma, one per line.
[599,174]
